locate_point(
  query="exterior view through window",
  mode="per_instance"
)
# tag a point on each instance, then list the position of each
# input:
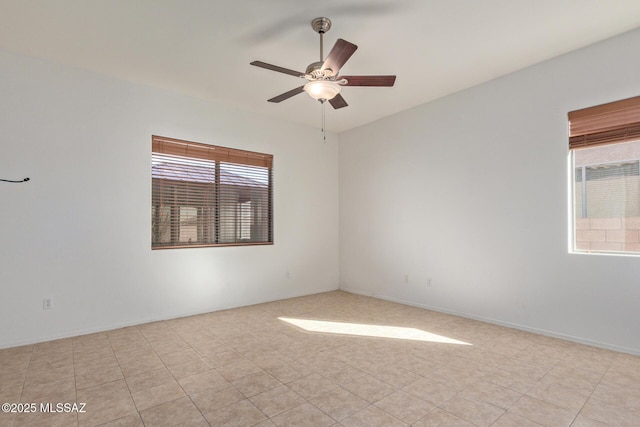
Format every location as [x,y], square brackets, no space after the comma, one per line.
[205,195]
[605,152]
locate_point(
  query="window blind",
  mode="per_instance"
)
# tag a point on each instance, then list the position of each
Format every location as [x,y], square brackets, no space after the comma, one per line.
[613,122]
[205,195]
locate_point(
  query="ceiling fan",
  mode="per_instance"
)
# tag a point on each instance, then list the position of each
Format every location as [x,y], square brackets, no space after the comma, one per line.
[324,83]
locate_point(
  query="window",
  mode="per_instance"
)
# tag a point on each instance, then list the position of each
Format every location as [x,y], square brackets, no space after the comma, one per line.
[605,151]
[205,195]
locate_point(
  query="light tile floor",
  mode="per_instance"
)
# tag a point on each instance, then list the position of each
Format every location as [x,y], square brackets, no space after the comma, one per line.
[246,367]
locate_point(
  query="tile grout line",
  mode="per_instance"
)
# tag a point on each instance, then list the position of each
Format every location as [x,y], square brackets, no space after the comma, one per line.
[591,394]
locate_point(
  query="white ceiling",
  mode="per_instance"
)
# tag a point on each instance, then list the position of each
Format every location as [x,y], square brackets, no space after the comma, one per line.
[203,47]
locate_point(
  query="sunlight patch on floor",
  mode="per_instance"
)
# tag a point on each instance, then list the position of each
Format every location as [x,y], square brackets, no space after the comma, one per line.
[364,330]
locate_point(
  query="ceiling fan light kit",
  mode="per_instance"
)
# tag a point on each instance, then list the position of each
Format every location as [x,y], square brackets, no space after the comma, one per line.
[324,84]
[322,90]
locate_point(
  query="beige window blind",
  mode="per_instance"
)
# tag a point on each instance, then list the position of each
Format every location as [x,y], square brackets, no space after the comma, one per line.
[617,121]
[205,195]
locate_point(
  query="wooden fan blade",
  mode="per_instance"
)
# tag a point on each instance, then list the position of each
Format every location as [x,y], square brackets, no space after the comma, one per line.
[340,53]
[369,80]
[287,95]
[338,102]
[278,69]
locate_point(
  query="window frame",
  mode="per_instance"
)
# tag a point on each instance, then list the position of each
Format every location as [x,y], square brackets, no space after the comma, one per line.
[202,169]
[605,124]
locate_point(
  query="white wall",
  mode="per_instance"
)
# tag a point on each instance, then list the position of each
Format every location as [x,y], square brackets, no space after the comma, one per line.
[79,231]
[470,191]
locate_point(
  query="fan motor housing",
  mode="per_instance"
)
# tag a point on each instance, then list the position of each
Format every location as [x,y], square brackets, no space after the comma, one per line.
[315,71]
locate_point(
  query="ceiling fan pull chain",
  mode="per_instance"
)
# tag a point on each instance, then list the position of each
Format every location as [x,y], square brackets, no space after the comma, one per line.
[324,133]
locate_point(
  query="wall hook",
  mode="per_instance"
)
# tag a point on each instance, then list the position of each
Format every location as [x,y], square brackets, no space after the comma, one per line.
[14,182]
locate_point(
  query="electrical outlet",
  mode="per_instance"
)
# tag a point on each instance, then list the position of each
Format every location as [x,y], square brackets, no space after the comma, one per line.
[47,303]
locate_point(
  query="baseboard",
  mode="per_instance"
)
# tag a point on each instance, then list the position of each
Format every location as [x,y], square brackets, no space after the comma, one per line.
[359,292]
[579,340]
[168,316]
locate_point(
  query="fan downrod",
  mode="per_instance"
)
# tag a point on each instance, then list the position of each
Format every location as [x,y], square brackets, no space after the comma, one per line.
[320,25]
